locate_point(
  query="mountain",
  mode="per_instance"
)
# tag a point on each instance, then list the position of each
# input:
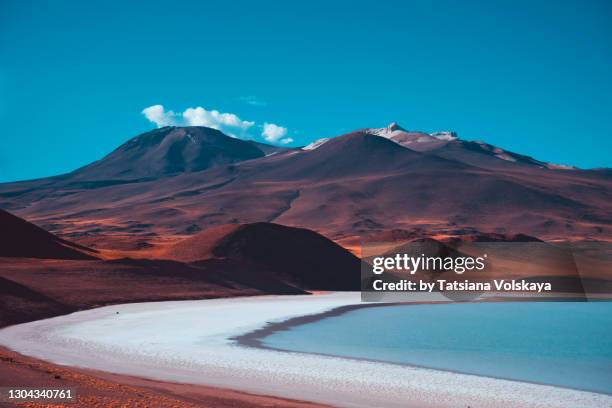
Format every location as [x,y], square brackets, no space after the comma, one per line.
[346,187]
[448,145]
[169,150]
[297,256]
[20,238]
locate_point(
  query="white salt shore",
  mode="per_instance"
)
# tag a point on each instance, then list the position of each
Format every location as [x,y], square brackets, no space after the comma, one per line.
[190,342]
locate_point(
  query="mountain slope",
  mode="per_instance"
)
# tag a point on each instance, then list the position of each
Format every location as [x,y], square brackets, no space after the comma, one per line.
[269,149]
[18,304]
[20,238]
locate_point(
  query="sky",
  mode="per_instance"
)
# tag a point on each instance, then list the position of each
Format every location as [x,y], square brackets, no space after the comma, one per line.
[78,79]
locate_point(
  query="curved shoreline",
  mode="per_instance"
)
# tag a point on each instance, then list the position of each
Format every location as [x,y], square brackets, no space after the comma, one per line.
[255,339]
[191,342]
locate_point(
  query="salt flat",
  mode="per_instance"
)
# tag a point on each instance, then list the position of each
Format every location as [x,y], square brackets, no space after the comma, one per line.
[190,342]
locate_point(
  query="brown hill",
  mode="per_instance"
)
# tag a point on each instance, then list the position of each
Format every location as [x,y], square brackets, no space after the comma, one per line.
[298,256]
[20,238]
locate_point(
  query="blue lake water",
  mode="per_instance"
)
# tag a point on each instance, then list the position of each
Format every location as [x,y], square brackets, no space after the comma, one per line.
[568,344]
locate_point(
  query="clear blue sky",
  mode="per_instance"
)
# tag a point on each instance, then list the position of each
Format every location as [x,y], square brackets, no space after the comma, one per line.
[529,76]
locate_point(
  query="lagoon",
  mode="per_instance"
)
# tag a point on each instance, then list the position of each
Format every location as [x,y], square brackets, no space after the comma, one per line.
[566,344]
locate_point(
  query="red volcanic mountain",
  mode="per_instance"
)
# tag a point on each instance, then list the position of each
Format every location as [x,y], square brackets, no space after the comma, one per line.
[297,256]
[174,182]
[21,239]
[166,151]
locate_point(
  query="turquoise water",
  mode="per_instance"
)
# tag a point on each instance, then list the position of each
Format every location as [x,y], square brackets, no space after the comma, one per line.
[568,344]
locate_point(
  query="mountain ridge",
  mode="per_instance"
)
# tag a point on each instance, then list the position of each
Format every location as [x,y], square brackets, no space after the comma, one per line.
[350,185]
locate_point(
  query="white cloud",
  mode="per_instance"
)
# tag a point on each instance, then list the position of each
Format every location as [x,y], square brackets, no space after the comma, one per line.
[197,116]
[159,116]
[272,132]
[214,119]
[228,123]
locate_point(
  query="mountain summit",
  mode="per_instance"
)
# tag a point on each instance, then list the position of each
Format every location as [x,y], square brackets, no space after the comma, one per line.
[393,126]
[412,139]
[169,150]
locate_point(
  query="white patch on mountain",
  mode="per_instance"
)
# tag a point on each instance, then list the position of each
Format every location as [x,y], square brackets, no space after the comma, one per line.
[315,144]
[506,157]
[394,130]
[554,166]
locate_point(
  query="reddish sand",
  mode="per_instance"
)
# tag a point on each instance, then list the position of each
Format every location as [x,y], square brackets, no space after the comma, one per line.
[104,390]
